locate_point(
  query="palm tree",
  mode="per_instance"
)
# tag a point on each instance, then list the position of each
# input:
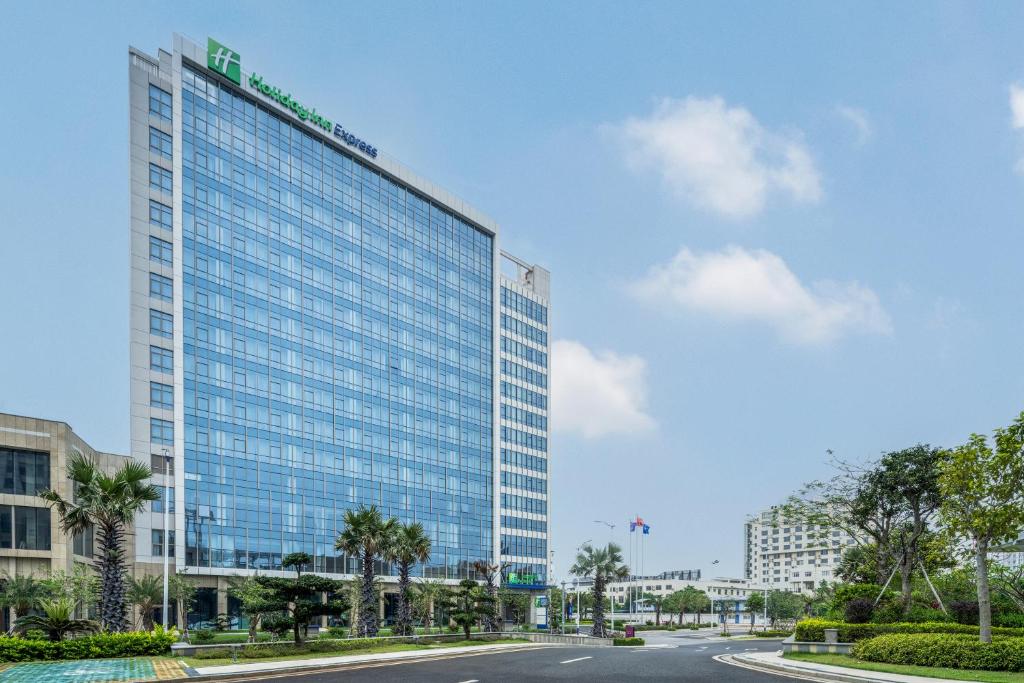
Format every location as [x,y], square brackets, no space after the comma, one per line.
[657,602]
[146,593]
[57,620]
[369,536]
[409,546]
[21,593]
[108,504]
[489,571]
[428,595]
[603,565]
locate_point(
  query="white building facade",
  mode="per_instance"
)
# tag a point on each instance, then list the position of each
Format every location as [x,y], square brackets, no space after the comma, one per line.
[785,554]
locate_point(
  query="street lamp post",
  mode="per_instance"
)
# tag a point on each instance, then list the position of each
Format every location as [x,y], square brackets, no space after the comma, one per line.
[611,598]
[167,507]
[561,619]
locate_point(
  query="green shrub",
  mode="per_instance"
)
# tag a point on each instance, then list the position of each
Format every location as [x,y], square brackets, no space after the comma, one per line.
[628,641]
[859,610]
[813,630]
[944,650]
[776,633]
[35,634]
[134,644]
[1009,619]
[213,653]
[201,636]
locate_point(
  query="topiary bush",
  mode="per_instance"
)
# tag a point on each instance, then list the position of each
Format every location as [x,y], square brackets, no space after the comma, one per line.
[628,641]
[813,630]
[104,645]
[859,611]
[944,650]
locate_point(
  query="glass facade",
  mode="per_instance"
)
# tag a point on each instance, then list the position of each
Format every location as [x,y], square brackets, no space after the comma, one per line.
[338,347]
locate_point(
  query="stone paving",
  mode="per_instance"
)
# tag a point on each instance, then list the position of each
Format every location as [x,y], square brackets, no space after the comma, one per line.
[92,671]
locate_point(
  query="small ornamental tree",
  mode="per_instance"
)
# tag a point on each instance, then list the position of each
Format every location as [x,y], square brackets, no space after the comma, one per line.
[489,572]
[983,500]
[301,598]
[181,590]
[469,604]
[255,600]
[755,605]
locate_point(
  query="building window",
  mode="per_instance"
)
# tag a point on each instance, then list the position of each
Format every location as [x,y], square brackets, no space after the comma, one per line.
[158,505]
[160,143]
[159,103]
[160,179]
[161,395]
[24,473]
[82,545]
[161,251]
[158,543]
[161,287]
[160,215]
[31,528]
[161,360]
[161,431]
[161,323]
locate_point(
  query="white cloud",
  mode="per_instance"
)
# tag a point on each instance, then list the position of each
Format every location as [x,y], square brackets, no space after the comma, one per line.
[858,118]
[719,157]
[596,394]
[1017,105]
[741,285]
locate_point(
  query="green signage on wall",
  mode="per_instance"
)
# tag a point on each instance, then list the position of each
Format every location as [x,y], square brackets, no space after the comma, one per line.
[224,61]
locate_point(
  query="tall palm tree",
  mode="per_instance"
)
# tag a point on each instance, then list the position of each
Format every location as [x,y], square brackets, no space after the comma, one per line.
[106,503]
[490,573]
[409,546]
[21,593]
[602,565]
[146,593]
[58,619]
[368,535]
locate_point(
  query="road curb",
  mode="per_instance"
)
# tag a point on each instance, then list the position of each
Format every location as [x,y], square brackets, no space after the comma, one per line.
[793,671]
[310,669]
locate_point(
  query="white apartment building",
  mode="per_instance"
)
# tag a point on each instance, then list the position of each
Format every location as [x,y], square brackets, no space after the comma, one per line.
[789,555]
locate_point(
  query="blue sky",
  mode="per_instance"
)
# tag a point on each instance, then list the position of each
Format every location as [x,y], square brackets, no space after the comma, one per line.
[773,229]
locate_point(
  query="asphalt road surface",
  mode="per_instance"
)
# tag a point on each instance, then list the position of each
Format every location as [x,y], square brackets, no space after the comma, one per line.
[677,658]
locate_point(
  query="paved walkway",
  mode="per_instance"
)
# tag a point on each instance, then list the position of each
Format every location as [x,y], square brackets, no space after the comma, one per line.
[774,661]
[93,671]
[292,664]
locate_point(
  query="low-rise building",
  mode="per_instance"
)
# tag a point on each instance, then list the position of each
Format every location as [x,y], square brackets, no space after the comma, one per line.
[33,457]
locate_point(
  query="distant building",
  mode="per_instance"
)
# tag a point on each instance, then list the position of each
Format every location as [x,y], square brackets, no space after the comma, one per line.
[788,555]
[33,457]
[730,591]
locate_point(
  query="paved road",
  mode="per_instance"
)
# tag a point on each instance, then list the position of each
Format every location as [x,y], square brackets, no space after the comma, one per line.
[681,659]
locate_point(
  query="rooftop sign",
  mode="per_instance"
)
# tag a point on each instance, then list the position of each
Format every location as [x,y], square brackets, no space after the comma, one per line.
[227,63]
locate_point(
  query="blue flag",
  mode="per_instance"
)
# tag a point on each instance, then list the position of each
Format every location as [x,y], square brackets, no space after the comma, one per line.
[632,527]
[647,528]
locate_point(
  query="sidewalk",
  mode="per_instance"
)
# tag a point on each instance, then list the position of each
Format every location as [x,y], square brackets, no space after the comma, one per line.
[299,664]
[774,662]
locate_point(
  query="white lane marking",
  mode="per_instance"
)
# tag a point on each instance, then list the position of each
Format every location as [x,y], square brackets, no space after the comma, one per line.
[578,659]
[472,680]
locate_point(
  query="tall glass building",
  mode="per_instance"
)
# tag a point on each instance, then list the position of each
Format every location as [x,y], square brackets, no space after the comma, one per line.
[313,328]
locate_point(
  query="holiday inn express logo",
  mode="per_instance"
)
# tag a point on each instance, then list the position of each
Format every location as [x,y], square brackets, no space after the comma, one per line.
[224,61]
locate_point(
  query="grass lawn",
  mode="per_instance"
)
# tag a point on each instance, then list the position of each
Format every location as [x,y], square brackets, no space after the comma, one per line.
[397,647]
[933,671]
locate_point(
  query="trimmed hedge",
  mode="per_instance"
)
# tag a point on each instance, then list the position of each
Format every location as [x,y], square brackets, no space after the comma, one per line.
[628,641]
[945,650]
[777,633]
[100,646]
[813,630]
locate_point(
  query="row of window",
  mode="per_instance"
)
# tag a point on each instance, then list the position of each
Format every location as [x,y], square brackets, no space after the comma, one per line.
[24,473]
[517,459]
[160,215]
[520,304]
[160,179]
[161,395]
[523,524]
[524,329]
[523,373]
[161,287]
[524,481]
[524,395]
[523,546]
[528,353]
[161,323]
[511,501]
[518,437]
[159,103]
[524,417]
[24,528]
